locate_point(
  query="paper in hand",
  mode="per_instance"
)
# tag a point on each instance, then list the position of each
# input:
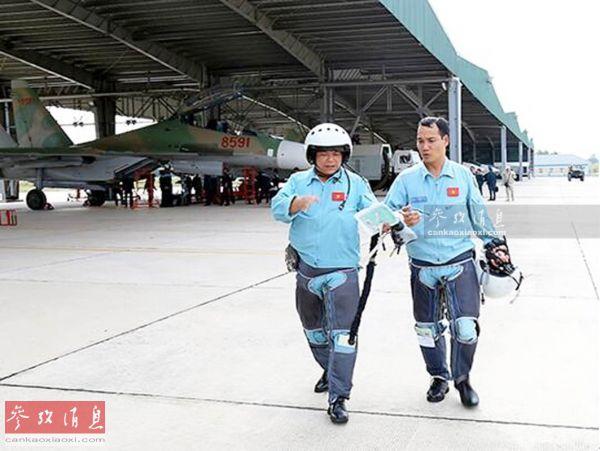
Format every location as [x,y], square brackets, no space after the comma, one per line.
[375,216]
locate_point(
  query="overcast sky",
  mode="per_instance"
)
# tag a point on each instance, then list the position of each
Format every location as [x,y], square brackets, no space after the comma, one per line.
[544,61]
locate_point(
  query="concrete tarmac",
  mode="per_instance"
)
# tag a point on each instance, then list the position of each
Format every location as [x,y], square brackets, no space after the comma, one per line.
[183,321]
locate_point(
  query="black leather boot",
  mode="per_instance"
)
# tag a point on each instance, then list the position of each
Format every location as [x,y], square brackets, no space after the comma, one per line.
[322,385]
[437,390]
[337,411]
[468,396]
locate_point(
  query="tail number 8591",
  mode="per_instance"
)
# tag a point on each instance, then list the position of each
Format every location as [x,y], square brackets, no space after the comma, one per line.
[235,142]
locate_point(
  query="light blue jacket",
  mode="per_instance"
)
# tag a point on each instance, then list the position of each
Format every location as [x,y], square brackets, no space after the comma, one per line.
[324,235]
[452,211]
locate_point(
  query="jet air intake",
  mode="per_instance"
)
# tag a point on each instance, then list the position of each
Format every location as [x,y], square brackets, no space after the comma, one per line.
[291,155]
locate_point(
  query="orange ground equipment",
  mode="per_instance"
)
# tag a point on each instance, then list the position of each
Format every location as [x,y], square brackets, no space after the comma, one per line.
[248,186]
[8,218]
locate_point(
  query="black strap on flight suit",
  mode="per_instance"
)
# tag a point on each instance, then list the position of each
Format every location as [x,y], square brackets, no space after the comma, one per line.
[365,291]
[398,242]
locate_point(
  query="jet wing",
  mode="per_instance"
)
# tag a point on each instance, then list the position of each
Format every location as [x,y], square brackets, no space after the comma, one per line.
[41,152]
[43,162]
[83,151]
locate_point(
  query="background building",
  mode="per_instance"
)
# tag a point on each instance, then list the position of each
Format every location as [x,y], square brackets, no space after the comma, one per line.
[558,165]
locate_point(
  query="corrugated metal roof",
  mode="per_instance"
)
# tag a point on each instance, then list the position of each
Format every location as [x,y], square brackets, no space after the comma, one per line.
[420,19]
[156,45]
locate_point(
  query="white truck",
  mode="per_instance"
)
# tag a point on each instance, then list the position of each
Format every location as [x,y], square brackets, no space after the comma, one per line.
[373,162]
[379,165]
[404,158]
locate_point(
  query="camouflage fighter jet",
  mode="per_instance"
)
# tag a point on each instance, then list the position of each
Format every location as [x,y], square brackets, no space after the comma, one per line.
[48,158]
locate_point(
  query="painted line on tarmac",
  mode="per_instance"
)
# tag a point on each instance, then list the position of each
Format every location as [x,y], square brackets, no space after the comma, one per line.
[585,261]
[53,263]
[153,250]
[135,329]
[307,408]
[121,284]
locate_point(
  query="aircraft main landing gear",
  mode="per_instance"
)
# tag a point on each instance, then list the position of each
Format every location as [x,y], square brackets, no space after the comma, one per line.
[96,198]
[36,199]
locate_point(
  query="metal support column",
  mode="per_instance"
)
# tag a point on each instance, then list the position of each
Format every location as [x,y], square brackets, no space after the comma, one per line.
[105,110]
[520,161]
[503,151]
[7,117]
[332,105]
[323,106]
[327,105]
[454,119]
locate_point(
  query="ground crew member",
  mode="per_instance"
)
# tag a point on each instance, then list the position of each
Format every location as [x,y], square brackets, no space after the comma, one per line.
[227,188]
[478,177]
[443,276]
[320,204]
[508,180]
[118,192]
[128,187]
[211,186]
[263,187]
[165,183]
[490,179]
[197,184]
[187,185]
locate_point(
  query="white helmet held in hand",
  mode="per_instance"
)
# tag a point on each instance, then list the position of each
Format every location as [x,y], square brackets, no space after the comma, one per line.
[499,284]
[500,280]
[327,137]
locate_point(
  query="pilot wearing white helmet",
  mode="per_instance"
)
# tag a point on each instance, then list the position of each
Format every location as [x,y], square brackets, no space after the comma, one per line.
[320,204]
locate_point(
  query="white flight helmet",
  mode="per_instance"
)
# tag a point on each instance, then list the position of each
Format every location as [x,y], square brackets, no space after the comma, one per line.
[501,285]
[327,135]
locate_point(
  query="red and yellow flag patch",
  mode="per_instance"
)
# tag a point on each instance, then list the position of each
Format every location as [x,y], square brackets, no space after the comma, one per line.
[452,192]
[338,196]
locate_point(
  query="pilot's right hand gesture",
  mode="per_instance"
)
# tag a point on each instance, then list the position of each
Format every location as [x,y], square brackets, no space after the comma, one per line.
[302,203]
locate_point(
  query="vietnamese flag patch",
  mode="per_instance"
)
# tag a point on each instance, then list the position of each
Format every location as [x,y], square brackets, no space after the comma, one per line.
[452,192]
[337,196]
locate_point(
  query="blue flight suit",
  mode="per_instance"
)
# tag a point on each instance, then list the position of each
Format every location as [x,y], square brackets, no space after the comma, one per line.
[327,240]
[443,277]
